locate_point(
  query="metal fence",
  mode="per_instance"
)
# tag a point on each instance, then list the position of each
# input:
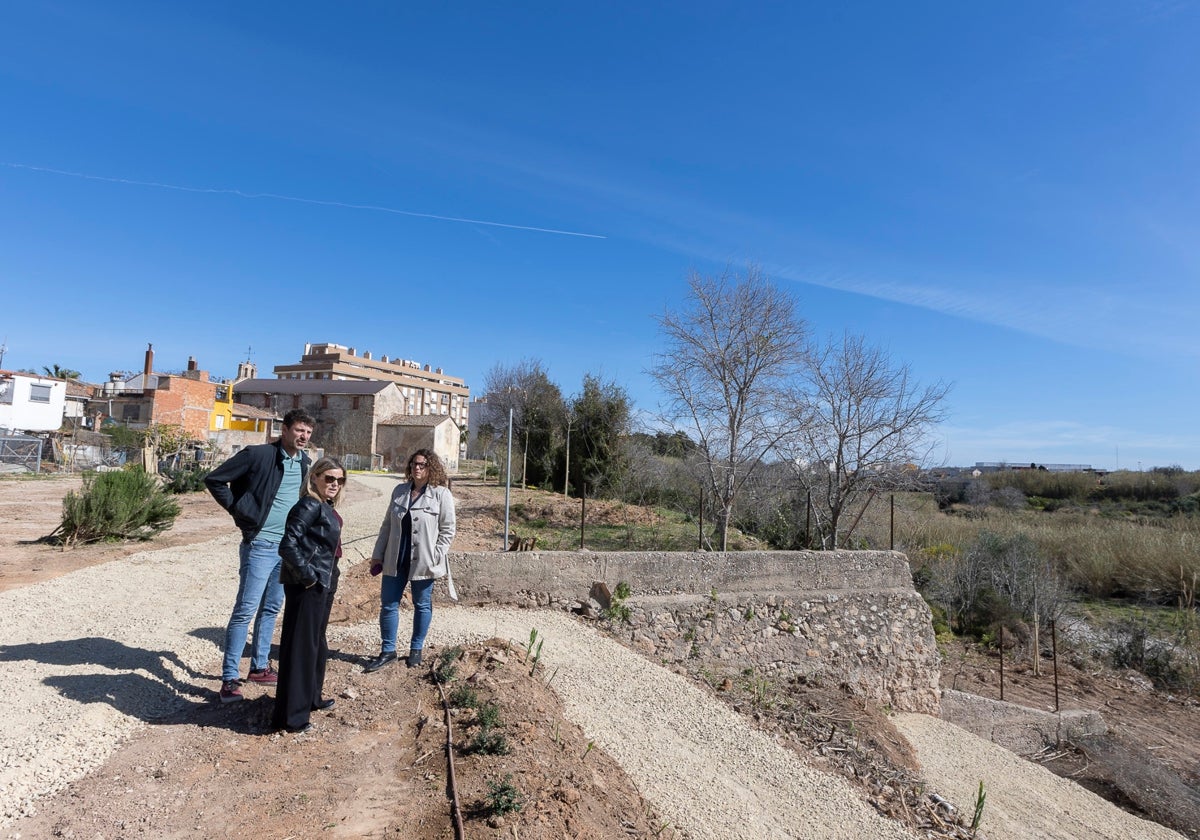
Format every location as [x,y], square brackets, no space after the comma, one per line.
[20,453]
[353,461]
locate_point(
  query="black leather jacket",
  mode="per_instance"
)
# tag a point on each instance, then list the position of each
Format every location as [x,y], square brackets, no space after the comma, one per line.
[246,484]
[310,544]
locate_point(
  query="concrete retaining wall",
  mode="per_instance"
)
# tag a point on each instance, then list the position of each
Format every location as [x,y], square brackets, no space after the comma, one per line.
[838,617]
[1021,729]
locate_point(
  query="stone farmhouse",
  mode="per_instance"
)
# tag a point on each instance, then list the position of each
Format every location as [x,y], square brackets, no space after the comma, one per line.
[364,422]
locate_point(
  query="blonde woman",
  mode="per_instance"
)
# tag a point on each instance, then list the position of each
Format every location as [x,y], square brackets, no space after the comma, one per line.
[411,550]
[309,550]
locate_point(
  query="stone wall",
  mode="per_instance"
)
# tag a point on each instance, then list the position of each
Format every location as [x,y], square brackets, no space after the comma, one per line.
[847,618]
[1020,729]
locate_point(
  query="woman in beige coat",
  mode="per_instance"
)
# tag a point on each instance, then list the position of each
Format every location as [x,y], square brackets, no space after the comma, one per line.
[412,550]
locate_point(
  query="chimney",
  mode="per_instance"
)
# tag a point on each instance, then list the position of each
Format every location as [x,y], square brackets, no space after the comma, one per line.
[350,352]
[149,369]
[427,368]
[192,363]
[366,354]
[383,359]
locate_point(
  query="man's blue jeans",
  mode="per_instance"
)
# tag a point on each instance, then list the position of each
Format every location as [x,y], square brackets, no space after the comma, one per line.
[259,599]
[391,589]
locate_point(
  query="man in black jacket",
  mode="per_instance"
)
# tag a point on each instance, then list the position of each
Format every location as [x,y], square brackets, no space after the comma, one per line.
[258,486]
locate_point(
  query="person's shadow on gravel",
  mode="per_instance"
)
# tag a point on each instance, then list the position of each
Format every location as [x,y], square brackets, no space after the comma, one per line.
[216,635]
[137,681]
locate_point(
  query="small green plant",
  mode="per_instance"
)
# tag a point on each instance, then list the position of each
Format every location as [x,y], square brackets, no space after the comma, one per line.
[487,742]
[712,594]
[760,690]
[748,615]
[488,715]
[125,505]
[617,609]
[533,650]
[979,801]
[464,697]
[447,664]
[590,746]
[503,798]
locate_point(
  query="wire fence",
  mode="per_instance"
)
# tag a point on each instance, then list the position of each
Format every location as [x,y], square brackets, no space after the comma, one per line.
[20,453]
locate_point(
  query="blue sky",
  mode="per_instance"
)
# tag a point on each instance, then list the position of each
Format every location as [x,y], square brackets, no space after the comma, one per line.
[1004,196]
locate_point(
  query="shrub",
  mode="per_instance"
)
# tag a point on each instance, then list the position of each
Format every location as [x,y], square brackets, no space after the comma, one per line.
[115,506]
[503,798]
[464,697]
[447,666]
[188,478]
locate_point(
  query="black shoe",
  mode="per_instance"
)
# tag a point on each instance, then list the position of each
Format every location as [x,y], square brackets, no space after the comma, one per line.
[383,659]
[414,658]
[324,704]
[300,730]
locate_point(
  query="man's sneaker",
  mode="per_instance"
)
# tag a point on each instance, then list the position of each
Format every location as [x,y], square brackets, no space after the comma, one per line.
[231,691]
[263,676]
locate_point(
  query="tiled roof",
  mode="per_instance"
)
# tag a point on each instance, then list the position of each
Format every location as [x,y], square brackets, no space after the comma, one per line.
[249,411]
[415,420]
[310,386]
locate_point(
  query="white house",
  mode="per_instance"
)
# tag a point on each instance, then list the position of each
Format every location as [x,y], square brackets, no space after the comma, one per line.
[31,403]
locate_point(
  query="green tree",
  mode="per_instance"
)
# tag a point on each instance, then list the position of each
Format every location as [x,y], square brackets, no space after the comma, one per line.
[732,349]
[61,372]
[599,420]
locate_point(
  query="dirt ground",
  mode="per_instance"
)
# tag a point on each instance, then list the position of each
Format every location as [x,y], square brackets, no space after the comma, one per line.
[217,771]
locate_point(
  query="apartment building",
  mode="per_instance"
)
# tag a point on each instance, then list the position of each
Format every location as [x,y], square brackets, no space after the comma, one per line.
[423,389]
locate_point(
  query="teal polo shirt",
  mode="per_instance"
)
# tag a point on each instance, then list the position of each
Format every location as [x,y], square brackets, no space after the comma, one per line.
[288,495]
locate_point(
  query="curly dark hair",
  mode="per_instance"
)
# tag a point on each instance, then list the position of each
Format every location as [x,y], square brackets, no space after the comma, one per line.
[437,470]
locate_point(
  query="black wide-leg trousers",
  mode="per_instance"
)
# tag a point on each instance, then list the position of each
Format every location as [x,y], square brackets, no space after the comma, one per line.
[303,652]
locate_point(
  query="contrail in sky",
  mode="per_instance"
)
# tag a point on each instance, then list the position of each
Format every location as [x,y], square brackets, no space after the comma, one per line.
[297,200]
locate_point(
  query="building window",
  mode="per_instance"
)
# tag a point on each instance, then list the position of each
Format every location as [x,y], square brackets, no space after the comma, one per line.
[324,401]
[129,412]
[266,400]
[354,402]
[220,421]
[296,401]
[39,393]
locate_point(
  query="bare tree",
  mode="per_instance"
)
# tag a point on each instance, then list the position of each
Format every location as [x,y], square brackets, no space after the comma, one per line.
[732,349]
[539,415]
[867,428]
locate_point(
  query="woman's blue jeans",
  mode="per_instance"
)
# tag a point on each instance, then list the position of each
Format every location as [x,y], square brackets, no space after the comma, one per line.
[389,611]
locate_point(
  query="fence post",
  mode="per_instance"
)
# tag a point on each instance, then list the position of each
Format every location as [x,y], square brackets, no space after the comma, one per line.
[1001,662]
[892,523]
[1054,656]
[582,510]
[808,520]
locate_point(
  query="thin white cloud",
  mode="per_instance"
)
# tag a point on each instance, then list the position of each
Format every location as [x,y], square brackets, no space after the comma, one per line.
[297,199]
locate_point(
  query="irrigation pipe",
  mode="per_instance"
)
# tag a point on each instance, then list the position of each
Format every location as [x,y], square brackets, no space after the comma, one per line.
[456,812]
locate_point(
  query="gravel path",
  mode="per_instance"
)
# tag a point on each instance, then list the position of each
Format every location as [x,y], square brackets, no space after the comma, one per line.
[1024,800]
[156,620]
